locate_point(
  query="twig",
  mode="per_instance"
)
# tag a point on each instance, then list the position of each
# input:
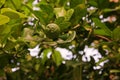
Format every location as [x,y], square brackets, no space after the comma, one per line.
[104,38]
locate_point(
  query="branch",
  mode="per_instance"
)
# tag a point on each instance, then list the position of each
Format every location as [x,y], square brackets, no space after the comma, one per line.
[104,38]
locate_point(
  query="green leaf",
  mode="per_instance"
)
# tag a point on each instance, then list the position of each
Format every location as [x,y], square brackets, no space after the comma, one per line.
[92,3]
[60,12]
[102,4]
[57,58]
[45,53]
[17,4]
[12,14]
[42,16]
[9,45]
[101,60]
[62,23]
[2,2]
[5,32]
[108,10]
[74,3]
[4,19]
[102,26]
[116,34]
[46,8]
[59,20]
[79,12]
[100,32]
[69,14]
[62,2]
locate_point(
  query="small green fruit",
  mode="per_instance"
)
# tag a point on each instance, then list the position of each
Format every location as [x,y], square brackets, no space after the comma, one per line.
[52,31]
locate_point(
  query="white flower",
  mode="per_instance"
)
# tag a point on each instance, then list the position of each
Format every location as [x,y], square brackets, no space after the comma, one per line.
[15,69]
[66,54]
[35,51]
[91,52]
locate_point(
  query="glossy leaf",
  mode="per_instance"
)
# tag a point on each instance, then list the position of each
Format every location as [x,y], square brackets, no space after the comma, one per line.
[62,23]
[45,55]
[60,12]
[102,26]
[12,14]
[100,32]
[4,19]
[69,14]
[57,58]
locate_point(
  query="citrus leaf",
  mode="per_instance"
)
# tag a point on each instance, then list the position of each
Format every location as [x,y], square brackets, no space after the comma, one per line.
[4,19]
[57,58]
[74,3]
[59,20]
[59,12]
[78,10]
[12,14]
[101,60]
[100,32]
[102,26]
[68,15]
[45,53]
[92,3]
[46,8]
[62,23]
[116,34]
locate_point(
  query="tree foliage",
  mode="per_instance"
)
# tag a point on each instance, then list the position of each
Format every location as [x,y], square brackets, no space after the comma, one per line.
[59,23]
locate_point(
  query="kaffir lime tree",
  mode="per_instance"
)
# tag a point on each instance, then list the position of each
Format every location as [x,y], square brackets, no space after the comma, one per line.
[50,24]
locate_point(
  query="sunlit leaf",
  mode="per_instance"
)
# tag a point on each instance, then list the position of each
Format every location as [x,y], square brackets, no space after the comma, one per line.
[100,32]
[69,14]
[4,19]
[12,14]
[102,26]
[44,55]
[56,56]
[60,12]
[62,23]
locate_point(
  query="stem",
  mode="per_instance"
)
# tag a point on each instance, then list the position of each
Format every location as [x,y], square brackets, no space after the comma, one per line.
[80,72]
[104,38]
